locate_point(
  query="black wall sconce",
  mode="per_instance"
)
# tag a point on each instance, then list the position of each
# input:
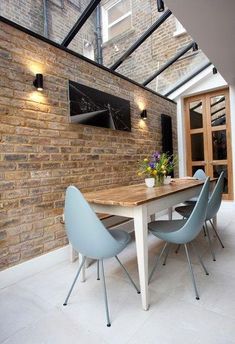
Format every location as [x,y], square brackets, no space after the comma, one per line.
[160,6]
[143,114]
[38,82]
[195,46]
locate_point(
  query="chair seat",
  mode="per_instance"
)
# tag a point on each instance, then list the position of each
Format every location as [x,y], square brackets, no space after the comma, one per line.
[165,229]
[185,210]
[192,201]
[121,236]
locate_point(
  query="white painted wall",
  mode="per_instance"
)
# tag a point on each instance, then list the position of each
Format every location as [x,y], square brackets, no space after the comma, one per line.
[204,82]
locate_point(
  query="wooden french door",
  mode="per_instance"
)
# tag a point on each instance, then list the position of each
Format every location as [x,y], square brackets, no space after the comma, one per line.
[208,136]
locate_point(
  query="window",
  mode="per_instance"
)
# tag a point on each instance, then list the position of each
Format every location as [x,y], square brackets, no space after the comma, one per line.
[116,16]
[88,50]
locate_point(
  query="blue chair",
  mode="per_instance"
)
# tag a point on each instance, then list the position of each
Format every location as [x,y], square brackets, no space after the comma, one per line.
[88,236]
[200,175]
[183,231]
[212,209]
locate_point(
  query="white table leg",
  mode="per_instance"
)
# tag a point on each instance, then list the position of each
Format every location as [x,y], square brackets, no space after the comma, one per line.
[170,211]
[72,254]
[141,236]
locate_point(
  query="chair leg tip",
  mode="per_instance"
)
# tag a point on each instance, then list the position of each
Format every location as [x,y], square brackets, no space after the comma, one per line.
[207,273]
[138,292]
[108,325]
[197,298]
[64,304]
[214,260]
[98,279]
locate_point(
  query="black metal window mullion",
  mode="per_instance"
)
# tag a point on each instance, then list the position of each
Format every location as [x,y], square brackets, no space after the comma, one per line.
[80,22]
[140,40]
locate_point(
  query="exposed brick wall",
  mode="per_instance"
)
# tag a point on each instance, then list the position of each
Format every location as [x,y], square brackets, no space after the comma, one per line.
[42,152]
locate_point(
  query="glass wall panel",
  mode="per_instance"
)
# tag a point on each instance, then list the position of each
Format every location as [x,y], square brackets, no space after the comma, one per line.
[217,109]
[219,145]
[195,113]
[197,147]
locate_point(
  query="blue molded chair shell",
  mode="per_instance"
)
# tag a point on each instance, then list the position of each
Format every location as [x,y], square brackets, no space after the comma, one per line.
[90,238]
[183,231]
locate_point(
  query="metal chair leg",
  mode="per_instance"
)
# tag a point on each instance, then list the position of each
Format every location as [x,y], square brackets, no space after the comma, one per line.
[209,242]
[199,258]
[177,249]
[216,233]
[73,284]
[157,260]
[166,255]
[105,294]
[98,270]
[129,277]
[191,271]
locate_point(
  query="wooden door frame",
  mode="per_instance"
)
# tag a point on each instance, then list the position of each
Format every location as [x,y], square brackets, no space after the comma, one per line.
[205,98]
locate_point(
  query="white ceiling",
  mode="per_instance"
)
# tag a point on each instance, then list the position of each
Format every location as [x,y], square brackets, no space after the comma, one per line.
[211,23]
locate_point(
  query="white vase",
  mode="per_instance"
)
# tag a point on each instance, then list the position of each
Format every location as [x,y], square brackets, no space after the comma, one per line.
[150,182]
[167,180]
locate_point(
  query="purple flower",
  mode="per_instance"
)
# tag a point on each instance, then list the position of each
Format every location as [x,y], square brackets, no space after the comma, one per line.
[151,164]
[156,156]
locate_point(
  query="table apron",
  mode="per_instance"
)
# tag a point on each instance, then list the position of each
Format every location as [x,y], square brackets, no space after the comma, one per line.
[152,206]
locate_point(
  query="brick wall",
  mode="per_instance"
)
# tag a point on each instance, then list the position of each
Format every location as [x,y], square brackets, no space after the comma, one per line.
[42,152]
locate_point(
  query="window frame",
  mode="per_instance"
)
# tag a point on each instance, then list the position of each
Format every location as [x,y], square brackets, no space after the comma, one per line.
[106,26]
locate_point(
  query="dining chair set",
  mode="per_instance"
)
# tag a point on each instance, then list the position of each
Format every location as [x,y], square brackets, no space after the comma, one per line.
[91,239]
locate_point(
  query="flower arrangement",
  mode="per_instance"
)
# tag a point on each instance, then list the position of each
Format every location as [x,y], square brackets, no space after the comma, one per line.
[157,166]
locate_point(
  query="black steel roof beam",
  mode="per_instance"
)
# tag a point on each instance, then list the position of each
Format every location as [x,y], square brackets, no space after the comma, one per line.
[80,22]
[140,40]
[169,63]
[190,77]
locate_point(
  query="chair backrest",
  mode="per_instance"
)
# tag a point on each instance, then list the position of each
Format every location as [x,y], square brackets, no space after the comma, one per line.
[197,218]
[85,231]
[200,174]
[215,198]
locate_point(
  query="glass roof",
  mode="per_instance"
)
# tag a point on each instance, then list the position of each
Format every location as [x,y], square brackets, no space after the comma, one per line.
[108,29]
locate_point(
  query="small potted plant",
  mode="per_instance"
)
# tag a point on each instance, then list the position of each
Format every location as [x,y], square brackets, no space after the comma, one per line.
[157,167]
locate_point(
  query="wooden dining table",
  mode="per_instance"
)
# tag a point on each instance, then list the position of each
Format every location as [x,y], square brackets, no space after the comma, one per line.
[141,203]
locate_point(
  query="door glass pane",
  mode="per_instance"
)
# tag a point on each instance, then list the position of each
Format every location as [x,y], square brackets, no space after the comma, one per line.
[197,147]
[217,169]
[218,111]
[195,168]
[195,111]
[219,145]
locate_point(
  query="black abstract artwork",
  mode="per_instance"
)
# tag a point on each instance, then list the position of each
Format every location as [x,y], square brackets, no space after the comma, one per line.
[93,107]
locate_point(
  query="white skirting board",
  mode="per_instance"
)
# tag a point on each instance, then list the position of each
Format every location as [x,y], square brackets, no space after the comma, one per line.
[33,266]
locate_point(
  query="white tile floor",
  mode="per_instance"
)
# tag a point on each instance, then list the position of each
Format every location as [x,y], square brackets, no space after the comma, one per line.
[31,311]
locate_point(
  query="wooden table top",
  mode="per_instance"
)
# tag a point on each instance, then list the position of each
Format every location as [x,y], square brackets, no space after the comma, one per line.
[133,195]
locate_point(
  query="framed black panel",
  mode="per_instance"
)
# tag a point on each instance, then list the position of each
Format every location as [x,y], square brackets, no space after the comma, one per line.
[167,142]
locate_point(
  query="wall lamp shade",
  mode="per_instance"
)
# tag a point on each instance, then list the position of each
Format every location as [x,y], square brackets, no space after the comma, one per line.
[160,6]
[38,82]
[143,114]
